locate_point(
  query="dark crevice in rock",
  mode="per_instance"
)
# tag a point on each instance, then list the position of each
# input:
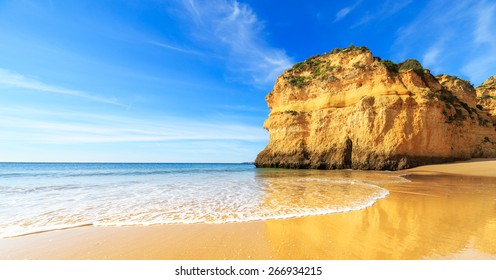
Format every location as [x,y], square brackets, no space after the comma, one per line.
[348,149]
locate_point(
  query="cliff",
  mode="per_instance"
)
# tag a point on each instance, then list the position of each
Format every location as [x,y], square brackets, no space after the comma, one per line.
[486,94]
[348,109]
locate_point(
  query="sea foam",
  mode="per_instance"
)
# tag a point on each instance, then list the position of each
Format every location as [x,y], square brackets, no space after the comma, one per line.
[58,196]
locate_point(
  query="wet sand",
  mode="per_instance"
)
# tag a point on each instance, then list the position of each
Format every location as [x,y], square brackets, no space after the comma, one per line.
[447,211]
[474,167]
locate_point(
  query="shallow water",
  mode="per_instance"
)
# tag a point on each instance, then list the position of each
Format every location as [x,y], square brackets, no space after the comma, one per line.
[425,217]
[37,197]
[431,217]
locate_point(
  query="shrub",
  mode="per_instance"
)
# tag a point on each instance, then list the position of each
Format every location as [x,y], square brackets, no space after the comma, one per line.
[391,66]
[329,78]
[359,66]
[485,96]
[297,81]
[331,68]
[310,64]
[298,66]
[410,64]
[318,72]
[350,48]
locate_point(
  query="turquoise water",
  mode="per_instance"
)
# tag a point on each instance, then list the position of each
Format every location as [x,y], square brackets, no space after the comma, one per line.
[38,197]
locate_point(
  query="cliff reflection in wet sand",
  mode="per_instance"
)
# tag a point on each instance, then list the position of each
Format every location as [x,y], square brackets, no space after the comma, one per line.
[296,193]
[434,216]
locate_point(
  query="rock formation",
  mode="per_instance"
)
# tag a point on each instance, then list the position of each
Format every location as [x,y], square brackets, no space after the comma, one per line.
[348,109]
[486,94]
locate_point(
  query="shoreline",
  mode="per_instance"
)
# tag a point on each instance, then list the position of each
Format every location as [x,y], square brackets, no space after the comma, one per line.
[436,216]
[478,167]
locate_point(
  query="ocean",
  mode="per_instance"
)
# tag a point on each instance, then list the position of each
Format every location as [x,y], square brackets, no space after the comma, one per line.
[37,197]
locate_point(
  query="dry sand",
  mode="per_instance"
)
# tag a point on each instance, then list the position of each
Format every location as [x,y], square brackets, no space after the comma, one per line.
[447,211]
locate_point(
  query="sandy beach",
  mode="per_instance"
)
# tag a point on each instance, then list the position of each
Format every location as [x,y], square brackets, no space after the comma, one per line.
[447,211]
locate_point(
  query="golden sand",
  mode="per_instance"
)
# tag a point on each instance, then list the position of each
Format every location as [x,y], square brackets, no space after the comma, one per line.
[474,167]
[448,211]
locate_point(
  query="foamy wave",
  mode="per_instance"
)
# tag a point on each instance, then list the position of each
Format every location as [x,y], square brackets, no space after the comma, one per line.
[296,214]
[188,198]
[357,196]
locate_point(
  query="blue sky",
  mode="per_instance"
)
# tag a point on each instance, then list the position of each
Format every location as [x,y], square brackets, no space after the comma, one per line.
[185,80]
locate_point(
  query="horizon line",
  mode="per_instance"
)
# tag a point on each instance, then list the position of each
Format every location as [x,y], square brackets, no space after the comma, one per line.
[127,162]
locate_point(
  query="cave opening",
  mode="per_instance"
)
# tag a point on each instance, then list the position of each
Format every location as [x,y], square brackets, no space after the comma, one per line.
[348,149]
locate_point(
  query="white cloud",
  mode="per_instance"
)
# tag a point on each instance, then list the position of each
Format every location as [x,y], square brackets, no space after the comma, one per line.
[342,13]
[454,37]
[235,33]
[38,126]
[190,5]
[12,79]
[485,24]
[385,10]
[174,48]
[430,58]
[482,65]
[393,6]
[345,11]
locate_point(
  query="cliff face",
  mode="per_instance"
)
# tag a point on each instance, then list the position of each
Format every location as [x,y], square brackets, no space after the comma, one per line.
[486,94]
[348,109]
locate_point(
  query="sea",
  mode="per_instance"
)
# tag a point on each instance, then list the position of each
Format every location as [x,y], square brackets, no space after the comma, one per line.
[38,197]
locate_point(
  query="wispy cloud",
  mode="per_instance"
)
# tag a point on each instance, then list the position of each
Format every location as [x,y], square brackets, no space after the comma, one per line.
[232,30]
[175,48]
[485,25]
[482,64]
[453,37]
[345,11]
[385,10]
[12,79]
[342,13]
[39,126]
[431,56]
[190,6]
[391,7]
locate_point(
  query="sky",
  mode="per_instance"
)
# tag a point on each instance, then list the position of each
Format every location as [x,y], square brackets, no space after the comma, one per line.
[186,80]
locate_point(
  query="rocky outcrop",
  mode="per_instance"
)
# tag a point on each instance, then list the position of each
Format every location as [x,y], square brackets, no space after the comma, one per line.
[348,109]
[486,95]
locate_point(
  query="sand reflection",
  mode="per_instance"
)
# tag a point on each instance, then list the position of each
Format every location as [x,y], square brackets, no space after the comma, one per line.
[290,193]
[432,217]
